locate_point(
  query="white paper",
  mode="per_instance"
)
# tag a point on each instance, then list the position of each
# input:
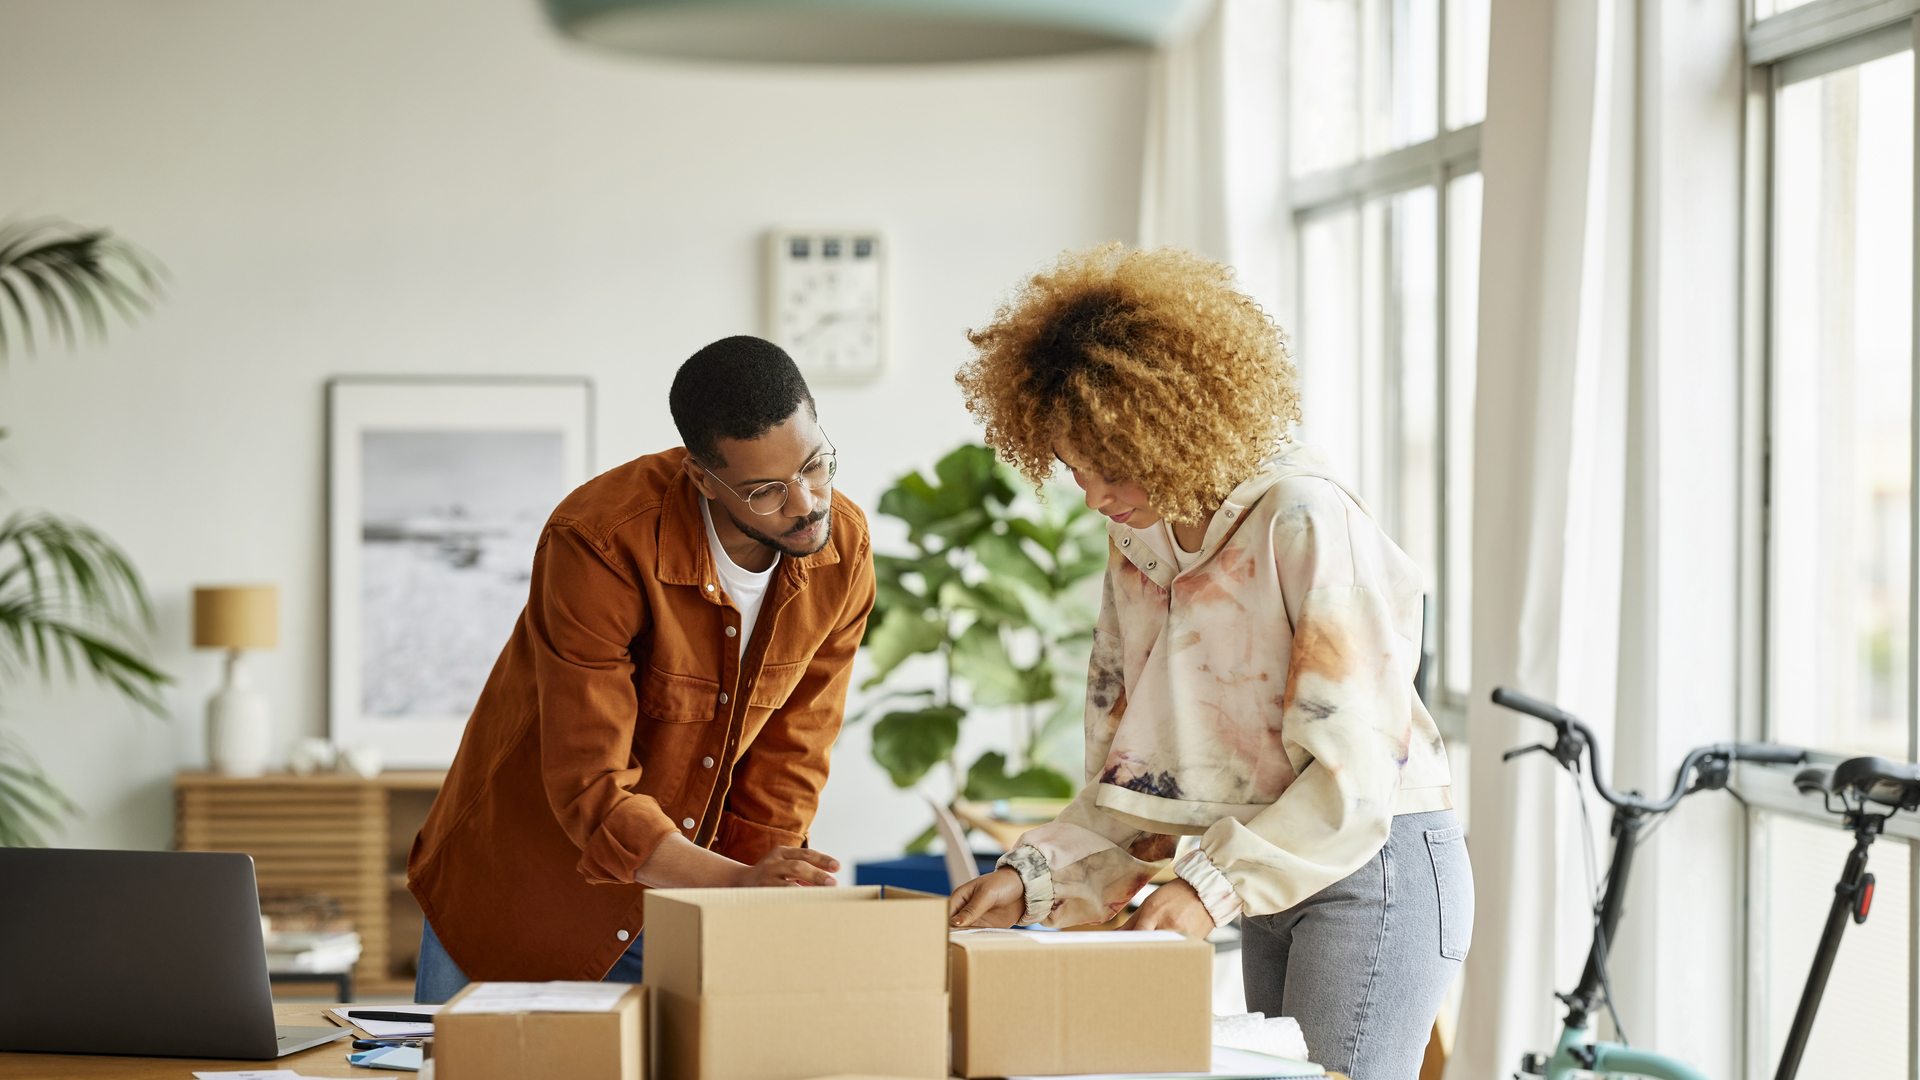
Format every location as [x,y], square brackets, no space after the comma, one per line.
[390,1029]
[506,997]
[1110,937]
[1228,1061]
[1278,1036]
[1228,1064]
[1081,937]
[251,1074]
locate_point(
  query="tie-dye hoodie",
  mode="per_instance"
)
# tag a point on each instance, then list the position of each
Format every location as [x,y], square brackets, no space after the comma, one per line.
[1261,700]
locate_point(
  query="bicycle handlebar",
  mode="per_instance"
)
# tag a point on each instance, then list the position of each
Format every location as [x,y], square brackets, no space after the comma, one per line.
[1574,737]
[1519,702]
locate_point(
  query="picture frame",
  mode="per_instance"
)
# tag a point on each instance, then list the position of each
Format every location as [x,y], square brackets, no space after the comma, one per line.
[437,491]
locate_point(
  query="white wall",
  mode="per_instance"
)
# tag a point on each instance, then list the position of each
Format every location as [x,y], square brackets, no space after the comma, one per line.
[436,186]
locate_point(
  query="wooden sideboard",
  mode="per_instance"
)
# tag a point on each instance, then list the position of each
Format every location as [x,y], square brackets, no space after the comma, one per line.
[339,835]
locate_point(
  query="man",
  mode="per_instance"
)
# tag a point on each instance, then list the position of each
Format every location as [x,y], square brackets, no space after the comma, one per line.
[662,715]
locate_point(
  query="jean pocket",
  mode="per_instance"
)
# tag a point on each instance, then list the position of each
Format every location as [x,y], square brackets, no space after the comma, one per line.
[1453,880]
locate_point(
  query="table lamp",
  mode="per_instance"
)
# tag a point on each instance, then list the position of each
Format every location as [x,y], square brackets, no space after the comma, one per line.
[236,618]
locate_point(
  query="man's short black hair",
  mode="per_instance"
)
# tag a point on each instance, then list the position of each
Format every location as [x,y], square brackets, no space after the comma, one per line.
[736,388]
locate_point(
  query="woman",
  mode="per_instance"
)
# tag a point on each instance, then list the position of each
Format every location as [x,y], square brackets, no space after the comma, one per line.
[1251,682]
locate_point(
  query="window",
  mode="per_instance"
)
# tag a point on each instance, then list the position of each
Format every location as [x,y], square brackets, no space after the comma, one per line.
[1387,97]
[1831,163]
[1842,378]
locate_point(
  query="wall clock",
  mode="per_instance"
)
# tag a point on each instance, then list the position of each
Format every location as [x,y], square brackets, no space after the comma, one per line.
[827,301]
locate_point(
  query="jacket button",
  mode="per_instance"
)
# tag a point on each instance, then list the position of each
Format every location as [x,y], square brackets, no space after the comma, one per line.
[723,699]
[621,934]
[1229,513]
[706,763]
[731,632]
[686,823]
[1151,564]
[709,586]
[1124,541]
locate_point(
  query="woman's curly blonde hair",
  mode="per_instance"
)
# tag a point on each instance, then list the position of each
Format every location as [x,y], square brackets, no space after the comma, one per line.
[1149,362]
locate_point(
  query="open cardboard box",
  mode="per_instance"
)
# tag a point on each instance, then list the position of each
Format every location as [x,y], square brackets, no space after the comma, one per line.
[1050,1003]
[787,984]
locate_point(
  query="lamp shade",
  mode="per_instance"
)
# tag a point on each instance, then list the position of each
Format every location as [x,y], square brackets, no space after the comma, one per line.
[871,31]
[236,617]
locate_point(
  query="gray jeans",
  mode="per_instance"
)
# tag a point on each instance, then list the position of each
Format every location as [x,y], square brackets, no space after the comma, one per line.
[1364,962]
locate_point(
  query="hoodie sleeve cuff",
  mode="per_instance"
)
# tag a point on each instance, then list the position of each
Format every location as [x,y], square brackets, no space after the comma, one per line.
[1036,876]
[1216,892]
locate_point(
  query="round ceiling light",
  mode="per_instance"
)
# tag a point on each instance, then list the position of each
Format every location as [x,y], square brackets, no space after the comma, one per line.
[870,31]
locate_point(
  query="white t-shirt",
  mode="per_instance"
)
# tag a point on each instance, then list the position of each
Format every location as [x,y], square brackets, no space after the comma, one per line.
[1159,537]
[744,587]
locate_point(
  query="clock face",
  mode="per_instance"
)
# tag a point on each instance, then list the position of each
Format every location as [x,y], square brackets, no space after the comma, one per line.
[828,303]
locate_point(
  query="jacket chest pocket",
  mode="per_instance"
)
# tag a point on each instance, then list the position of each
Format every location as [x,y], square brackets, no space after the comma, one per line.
[678,699]
[776,684]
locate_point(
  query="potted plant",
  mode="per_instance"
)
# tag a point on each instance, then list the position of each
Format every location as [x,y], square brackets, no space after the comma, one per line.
[995,589]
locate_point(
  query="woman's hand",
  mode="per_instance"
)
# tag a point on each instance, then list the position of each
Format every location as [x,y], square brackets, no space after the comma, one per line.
[788,866]
[1173,906]
[994,900]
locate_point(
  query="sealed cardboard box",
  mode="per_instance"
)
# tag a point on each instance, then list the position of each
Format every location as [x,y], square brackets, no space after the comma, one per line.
[786,984]
[520,1031]
[1027,1003]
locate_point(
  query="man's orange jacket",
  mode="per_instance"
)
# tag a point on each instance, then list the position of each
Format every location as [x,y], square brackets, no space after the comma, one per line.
[621,711]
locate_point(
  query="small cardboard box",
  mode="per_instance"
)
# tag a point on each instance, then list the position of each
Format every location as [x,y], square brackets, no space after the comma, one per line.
[1092,1002]
[785,983]
[523,1045]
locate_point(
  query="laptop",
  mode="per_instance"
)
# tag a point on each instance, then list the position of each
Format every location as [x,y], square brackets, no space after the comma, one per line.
[156,953]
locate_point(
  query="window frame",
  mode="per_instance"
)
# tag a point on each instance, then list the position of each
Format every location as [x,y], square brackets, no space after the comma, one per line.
[1436,163]
[1803,43]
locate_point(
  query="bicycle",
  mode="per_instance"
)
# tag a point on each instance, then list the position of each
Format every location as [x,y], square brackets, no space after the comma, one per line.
[1863,785]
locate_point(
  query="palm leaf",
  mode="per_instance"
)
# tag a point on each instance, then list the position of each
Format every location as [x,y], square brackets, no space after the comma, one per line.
[71,601]
[29,801]
[59,280]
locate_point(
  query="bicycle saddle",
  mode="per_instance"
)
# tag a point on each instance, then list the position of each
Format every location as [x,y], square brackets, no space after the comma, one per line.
[1874,778]
[1813,780]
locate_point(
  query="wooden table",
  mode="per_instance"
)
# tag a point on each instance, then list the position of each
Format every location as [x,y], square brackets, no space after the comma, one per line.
[329,1059]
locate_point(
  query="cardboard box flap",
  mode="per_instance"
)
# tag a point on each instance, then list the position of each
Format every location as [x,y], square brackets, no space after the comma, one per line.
[774,941]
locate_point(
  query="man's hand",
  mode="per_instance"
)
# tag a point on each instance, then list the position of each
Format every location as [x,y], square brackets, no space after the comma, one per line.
[1173,906]
[993,900]
[788,866]
[679,863]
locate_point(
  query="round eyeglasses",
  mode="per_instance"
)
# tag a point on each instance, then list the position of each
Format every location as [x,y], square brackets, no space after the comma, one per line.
[770,498]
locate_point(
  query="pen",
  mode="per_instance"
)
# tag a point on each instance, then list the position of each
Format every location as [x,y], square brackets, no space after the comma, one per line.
[376,1044]
[396,1017]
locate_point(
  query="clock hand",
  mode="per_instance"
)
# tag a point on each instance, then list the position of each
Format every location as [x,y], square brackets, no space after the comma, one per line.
[821,324]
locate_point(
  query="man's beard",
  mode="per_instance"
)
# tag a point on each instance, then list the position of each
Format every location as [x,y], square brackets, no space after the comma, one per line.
[777,543]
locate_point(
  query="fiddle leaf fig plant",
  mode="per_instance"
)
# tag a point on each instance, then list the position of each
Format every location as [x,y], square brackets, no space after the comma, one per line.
[994,589]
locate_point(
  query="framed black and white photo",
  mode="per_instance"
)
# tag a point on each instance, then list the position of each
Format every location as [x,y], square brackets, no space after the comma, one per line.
[438,491]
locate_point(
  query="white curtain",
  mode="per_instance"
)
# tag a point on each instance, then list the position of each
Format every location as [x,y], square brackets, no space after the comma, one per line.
[1550,432]
[1605,540]
[1212,178]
